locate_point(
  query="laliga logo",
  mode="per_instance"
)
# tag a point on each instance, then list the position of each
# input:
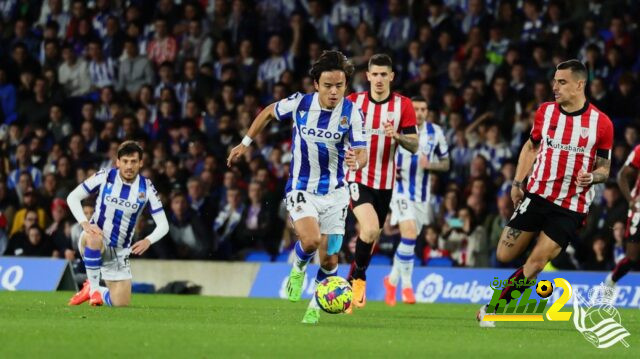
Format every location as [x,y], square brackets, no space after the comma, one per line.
[430,288]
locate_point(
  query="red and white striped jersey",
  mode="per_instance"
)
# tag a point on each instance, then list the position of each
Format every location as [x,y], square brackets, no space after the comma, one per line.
[380,171]
[634,161]
[569,142]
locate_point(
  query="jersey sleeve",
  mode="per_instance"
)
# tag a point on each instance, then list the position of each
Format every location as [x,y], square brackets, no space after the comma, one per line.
[604,142]
[155,205]
[536,130]
[408,118]
[634,158]
[356,133]
[92,184]
[442,148]
[286,107]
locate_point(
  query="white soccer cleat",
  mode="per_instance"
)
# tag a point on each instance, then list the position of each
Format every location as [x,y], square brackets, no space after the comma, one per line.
[480,315]
[609,281]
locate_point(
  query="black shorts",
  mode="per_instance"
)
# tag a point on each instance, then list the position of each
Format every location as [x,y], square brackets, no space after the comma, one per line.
[536,214]
[378,198]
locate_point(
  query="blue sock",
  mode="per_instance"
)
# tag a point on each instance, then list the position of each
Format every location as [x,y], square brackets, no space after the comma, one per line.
[302,257]
[92,262]
[404,259]
[324,273]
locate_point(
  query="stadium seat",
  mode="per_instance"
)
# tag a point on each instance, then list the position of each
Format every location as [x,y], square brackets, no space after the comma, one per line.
[258,256]
[440,262]
[380,259]
[282,257]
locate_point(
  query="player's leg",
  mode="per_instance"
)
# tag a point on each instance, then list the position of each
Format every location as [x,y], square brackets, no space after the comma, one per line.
[402,268]
[117,293]
[303,211]
[630,260]
[91,247]
[328,267]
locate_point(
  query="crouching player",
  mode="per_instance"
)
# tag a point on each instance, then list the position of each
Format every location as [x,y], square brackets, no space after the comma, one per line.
[325,125]
[105,243]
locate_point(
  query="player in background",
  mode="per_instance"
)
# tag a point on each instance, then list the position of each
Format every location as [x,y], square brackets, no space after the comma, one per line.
[390,121]
[570,144]
[105,243]
[410,207]
[327,140]
[627,174]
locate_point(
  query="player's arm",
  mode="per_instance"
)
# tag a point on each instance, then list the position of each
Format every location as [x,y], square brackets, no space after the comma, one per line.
[260,122]
[356,158]
[602,166]
[441,166]
[160,219]
[408,136]
[407,140]
[525,162]
[442,151]
[626,175]
[74,201]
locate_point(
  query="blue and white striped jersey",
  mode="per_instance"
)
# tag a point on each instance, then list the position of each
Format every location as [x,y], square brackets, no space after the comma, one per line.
[119,204]
[319,141]
[412,180]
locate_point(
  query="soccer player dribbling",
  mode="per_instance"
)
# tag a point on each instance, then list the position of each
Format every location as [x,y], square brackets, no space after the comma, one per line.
[570,151]
[627,174]
[390,121]
[106,240]
[327,140]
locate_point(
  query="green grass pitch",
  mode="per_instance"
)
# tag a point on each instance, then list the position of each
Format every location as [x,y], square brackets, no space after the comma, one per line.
[41,325]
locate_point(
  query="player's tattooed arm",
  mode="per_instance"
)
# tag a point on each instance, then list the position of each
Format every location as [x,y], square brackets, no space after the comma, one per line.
[599,175]
[408,141]
[626,175]
[441,166]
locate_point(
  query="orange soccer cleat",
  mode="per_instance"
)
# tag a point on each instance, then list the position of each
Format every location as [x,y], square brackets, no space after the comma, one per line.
[82,296]
[359,293]
[408,297]
[96,299]
[390,292]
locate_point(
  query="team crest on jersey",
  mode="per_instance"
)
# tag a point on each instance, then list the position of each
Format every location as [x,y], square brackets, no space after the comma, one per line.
[344,122]
[584,132]
[141,196]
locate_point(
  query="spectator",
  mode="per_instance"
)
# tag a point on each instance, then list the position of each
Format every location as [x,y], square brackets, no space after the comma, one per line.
[103,72]
[196,44]
[431,250]
[198,201]
[58,125]
[270,70]
[187,231]
[24,165]
[351,12]
[135,70]
[601,217]
[257,222]
[397,30]
[29,215]
[163,47]
[227,222]
[35,243]
[7,99]
[35,110]
[73,73]
[465,240]
[599,258]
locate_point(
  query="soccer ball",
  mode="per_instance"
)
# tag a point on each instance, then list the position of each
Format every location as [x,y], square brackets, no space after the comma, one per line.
[334,295]
[544,288]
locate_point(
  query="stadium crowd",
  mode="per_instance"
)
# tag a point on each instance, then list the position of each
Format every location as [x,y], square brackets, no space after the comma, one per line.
[186,78]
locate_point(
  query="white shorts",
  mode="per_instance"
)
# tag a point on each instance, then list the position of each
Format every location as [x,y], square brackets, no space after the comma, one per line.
[330,210]
[403,209]
[115,261]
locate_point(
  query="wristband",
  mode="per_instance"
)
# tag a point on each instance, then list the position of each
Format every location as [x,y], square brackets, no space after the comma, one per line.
[246,141]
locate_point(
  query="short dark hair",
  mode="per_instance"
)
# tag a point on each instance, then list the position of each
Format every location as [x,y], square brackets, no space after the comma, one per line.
[575,66]
[127,148]
[418,99]
[331,60]
[380,60]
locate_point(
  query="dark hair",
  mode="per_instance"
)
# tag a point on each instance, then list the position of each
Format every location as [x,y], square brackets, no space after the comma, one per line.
[575,66]
[418,99]
[331,60]
[380,60]
[127,148]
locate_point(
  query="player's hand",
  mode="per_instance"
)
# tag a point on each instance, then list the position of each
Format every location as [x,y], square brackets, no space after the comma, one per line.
[350,160]
[92,229]
[517,194]
[236,153]
[424,162]
[389,130]
[584,179]
[140,247]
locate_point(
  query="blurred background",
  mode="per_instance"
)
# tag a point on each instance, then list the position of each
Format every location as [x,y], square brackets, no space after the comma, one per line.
[186,78]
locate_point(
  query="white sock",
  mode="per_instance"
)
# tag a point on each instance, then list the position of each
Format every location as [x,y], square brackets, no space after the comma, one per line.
[394,276]
[301,258]
[106,295]
[92,262]
[404,259]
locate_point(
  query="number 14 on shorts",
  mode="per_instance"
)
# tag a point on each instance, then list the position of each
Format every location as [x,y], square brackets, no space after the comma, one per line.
[522,207]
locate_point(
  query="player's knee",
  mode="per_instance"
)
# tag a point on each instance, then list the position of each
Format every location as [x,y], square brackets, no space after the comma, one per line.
[93,241]
[310,242]
[369,234]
